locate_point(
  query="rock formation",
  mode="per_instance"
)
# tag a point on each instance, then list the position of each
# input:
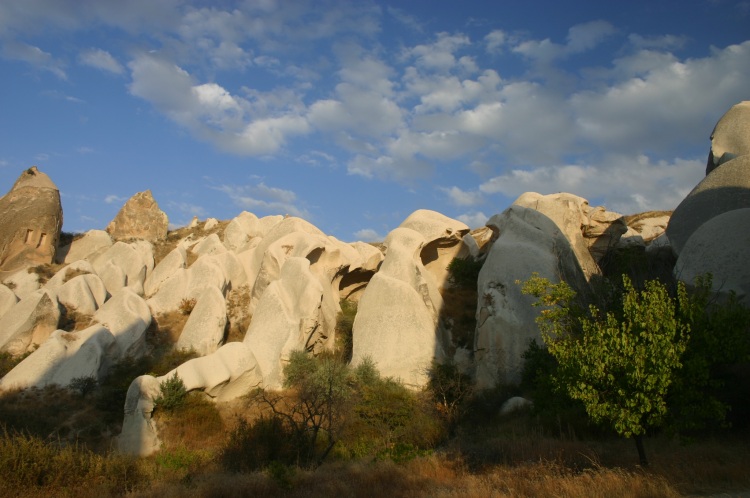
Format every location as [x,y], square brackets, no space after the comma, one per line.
[731,136]
[31,218]
[529,242]
[139,218]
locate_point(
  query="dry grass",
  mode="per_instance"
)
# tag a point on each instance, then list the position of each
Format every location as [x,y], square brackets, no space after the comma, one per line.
[164,247]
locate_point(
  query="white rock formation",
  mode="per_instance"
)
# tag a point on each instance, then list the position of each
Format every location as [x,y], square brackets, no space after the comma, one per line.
[84,293]
[126,315]
[529,242]
[62,358]
[88,245]
[172,262]
[204,329]
[397,323]
[8,299]
[289,316]
[29,322]
[721,247]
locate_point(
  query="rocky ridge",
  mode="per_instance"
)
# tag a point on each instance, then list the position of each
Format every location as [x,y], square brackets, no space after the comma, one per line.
[114,285]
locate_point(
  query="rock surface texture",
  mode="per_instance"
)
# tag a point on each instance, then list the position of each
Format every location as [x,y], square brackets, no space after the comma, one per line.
[731,136]
[31,218]
[139,218]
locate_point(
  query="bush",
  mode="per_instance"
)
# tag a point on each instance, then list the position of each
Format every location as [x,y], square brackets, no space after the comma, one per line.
[344,329]
[187,305]
[83,385]
[172,394]
[464,272]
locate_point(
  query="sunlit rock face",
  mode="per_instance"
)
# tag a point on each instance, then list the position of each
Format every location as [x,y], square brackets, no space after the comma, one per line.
[31,218]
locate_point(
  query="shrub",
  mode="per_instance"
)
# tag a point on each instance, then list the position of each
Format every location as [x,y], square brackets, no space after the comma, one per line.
[83,385]
[254,446]
[450,389]
[172,394]
[464,272]
[187,305]
[344,329]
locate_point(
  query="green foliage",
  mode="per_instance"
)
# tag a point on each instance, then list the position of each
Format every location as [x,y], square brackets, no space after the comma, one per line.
[344,329]
[464,272]
[173,394]
[719,338]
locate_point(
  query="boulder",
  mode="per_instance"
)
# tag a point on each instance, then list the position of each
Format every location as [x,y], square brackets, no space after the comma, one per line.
[139,218]
[731,136]
[726,188]
[288,317]
[31,218]
[240,231]
[62,358]
[204,329]
[529,242]
[210,223]
[85,246]
[74,269]
[172,262]
[209,245]
[721,247]
[126,315]
[84,293]
[29,322]
[123,265]
[189,283]
[397,323]
[644,228]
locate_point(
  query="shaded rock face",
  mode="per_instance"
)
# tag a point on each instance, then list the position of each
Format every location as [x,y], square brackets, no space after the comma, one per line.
[529,242]
[731,136]
[726,188]
[139,218]
[721,247]
[31,218]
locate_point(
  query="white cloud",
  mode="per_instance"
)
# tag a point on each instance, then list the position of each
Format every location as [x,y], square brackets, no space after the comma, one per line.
[34,56]
[368,235]
[461,197]
[630,184]
[495,41]
[210,112]
[263,199]
[112,198]
[474,220]
[581,38]
[188,209]
[661,42]
[101,59]
[440,55]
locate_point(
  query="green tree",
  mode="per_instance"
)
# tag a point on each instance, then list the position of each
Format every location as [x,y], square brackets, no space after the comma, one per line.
[619,364]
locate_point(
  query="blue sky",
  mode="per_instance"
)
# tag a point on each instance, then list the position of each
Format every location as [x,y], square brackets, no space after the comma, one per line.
[354,114]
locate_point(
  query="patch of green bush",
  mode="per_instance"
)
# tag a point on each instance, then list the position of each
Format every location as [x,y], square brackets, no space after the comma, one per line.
[172,394]
[464,272]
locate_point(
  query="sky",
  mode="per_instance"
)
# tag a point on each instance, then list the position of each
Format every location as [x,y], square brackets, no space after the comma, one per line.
[354,114]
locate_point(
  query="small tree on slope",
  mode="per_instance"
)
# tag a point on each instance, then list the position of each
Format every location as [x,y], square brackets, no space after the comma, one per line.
[618,364]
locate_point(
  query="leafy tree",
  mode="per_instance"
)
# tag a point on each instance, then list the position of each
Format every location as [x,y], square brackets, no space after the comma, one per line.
[620,365]
[173,394]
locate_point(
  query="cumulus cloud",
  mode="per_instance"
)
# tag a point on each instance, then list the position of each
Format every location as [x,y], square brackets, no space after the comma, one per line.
[209,111]
[461,197]
[368,235]
[630,184]
[264,200]
[112,198]
[101,59]
[473,220]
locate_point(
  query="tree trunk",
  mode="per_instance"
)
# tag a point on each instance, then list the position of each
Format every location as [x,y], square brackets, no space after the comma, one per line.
[641,451]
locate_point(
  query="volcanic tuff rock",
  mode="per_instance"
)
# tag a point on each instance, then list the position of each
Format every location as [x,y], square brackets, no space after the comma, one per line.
[31,218]
[139,218]
[725,188]
[731,136]
[529,242]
